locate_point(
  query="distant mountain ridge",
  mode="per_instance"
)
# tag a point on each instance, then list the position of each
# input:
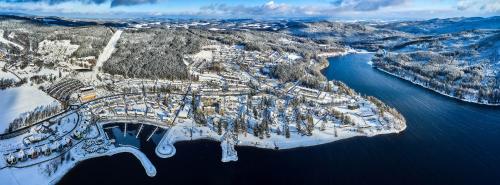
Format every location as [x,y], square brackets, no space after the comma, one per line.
[54,20]
[441,26]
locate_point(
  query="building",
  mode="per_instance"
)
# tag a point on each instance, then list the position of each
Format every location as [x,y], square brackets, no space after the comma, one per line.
[21,156]
[55,146]
[46,149]
[208,110]
[11,160]
[66,142]
[183,114]
[77,134]
[87,94]
[32,153]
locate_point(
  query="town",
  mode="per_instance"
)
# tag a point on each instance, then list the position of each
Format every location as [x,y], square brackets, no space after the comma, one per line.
[232,95]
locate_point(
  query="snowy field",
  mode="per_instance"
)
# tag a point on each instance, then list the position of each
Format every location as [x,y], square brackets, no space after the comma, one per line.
[5,41]
[15,101]
[7,75]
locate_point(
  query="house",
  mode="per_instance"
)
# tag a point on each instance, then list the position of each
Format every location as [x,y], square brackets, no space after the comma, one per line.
[352,106]
[46,150]
[21,156]
[32,153]
[209,110]
[55,146]
[183,114]
[66,142]
[77,134]
[11,160]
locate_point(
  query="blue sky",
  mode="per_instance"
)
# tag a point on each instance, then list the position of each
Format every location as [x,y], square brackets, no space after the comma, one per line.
[357,9]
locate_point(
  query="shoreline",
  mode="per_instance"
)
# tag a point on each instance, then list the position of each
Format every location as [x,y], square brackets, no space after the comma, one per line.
[434,90]
[145,162]
[188,130]
[185,133]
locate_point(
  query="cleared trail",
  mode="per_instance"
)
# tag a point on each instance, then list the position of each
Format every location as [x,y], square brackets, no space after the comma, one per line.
[107,51]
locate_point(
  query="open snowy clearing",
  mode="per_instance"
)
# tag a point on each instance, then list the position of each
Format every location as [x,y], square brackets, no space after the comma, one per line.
[5,41]
[15,101]
[7,75]
[108,50]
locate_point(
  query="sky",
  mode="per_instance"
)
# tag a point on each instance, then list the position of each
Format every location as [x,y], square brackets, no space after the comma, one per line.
[355,9]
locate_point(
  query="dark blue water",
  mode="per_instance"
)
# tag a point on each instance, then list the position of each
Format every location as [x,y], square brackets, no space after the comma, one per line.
[446,142]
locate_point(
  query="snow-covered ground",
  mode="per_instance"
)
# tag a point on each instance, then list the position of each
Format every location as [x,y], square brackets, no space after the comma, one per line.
[108,50]
[15,101]
[467,98]
[103,57]
[8,42]
[202,55]
[7,75]
[333,54]
[56,51]
[187,131]
[39,174]
[50,168]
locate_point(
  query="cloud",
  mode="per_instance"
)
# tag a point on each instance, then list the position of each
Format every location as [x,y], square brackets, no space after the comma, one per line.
[479,5]
[272,8]
[393,9]
[113,3]
[365,5]
[269,8]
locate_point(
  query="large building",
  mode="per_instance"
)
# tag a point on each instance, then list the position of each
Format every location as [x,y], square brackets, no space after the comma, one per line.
[87,94]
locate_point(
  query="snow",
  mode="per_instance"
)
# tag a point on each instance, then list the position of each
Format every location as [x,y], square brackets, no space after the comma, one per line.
[203,55]
[467,98]
[146,163]
[103,57]
[5,41]
[108,50]
[293,56]
[36,174]
[15,101]
[56,51]
[7,75]
[187,131]
[228,151]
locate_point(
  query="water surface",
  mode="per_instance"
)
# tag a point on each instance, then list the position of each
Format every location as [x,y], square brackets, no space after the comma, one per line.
[447,142]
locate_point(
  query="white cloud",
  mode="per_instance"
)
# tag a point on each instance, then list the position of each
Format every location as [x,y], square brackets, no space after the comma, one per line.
[278,8]
[109,3]
[365,5]
[479,5]
[273,8]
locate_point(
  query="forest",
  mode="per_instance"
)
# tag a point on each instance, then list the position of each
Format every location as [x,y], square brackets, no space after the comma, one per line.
[153,53]
[476,82]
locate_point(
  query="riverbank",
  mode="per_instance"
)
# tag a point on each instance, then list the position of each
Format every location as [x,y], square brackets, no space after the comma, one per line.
[146,163]
[47,173]
[323,66]
[421,84]
[188,131]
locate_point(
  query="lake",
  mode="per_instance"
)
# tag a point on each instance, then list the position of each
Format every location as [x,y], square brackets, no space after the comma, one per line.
[447,142]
